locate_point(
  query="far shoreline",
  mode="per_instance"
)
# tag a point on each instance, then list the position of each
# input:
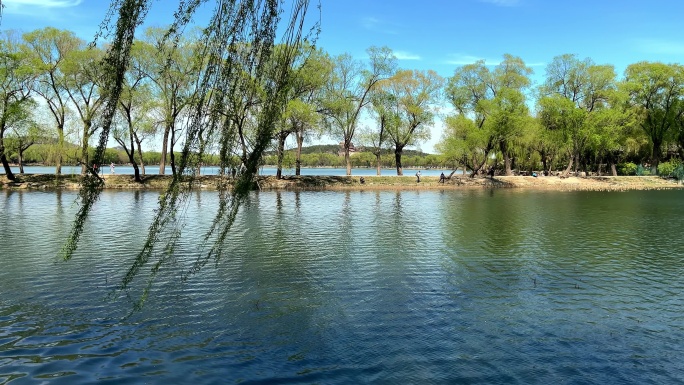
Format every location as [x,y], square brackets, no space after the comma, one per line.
[337,183]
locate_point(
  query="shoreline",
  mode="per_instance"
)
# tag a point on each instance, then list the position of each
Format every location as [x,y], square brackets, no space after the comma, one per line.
[334,183]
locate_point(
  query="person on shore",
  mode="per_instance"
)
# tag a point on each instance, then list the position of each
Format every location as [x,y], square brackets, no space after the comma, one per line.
[111,168]
[418,177]
[442,178]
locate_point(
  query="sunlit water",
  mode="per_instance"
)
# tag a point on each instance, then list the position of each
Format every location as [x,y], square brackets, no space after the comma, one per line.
[419,287]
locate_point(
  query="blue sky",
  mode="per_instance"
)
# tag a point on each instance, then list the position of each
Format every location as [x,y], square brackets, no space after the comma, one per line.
[443,34]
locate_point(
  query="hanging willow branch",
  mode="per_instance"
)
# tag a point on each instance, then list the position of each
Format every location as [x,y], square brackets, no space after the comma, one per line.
[131,14]
[237,55]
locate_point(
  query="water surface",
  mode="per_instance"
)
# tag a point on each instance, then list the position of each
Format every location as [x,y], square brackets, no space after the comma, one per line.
[442,287]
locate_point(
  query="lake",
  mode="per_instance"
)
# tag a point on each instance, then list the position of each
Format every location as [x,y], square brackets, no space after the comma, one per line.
[423,287]
[212,170]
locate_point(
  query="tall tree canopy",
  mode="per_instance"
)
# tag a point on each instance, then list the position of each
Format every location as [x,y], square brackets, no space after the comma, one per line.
[656,90]
[411,98]
[348,92]
[494,103]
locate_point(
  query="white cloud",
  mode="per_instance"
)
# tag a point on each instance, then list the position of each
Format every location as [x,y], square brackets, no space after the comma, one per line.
[461,59]
[37,7]
[10,4]
[403,55]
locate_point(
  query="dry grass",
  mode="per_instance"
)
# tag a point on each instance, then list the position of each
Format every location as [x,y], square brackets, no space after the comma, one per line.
[158,182]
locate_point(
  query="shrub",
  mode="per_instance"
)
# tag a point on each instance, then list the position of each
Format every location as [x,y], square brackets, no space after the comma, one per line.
[678,172]
[628,168]
[667,169]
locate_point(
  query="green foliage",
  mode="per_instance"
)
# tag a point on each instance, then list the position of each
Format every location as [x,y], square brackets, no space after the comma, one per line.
[655,91]
[667,169]
[628,168]
[642,171]
[678,172]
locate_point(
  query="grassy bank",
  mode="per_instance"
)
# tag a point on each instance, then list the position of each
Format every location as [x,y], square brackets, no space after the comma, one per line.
[304,183]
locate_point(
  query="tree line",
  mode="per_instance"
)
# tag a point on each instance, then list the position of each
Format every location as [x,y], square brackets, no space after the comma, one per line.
[581,118]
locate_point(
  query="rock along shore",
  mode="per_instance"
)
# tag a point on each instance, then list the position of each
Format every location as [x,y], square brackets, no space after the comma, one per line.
[318,183]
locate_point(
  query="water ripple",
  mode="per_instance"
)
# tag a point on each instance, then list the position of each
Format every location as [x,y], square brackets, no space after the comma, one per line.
[489,287]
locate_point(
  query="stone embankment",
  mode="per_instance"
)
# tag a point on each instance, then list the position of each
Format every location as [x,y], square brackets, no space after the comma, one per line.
[301,183]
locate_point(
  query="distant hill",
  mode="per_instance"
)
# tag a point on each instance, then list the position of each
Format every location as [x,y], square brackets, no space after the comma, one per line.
[334,149]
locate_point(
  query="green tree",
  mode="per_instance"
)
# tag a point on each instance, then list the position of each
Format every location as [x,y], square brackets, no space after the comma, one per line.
[377,139]
[347,93]
[171,67]
[586,87]
[495,103]
[134,106]
[24,134]
[465,144]
[560,116]
[309,73]
[655,90]
[83,72]
[614,131]
[413,95]
[49,49]
[16,81]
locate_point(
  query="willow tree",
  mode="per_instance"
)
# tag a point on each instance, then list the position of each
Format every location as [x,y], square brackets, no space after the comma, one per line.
[232,24]
[494,100]
[309,73]
[585,87]
[413,95]
[82,80]
[173,70]
[16,81]
[134,106]
[49,48]
[347,93]
[656,91]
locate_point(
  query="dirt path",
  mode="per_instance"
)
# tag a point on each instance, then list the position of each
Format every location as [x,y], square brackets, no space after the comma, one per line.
[603,183]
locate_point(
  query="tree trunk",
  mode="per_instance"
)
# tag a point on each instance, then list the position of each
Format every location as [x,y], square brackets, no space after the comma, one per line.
[165,143]
[507,164]
[347,158]
[3,157]
[60,149]
[298,162]
[6,166]
[477,168]
[613,169]
[138,143]
[131,158]
[21,160]
[655,156]
[131,155]
[281,155]
[84,151]
[397,158]
[569,168]
[172,157]
[378,164]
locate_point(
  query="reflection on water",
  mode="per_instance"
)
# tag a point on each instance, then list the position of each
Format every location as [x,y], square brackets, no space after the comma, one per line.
[499,286]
